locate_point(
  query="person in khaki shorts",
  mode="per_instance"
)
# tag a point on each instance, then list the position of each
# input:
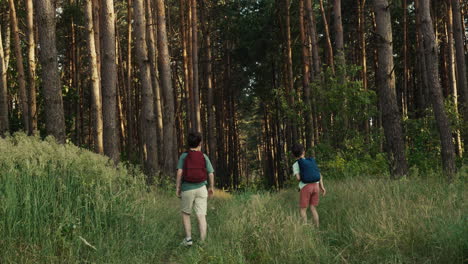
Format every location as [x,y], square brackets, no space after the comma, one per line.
[194,169]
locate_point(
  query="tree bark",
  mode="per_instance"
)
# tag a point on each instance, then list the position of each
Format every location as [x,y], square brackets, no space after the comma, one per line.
[95,87]
[313,36]
[152,47]
[458,32]
[196,90]
[452,75]
[205,22]
[432,67]
[24,106]
[149,118]
[109,80]
[309,129]
[31,68]
[52,89]
[331,63]
[170,138]
[4,122]
[131,132]
[386,78]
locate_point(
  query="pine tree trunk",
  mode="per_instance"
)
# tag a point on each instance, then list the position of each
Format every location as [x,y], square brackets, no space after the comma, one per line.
[313,36]
[452,75]
[52,89]
[4,122]
[331,63]
[339,42]
[109,80]
[95,87]
[205,22]
[386,79]
[458,32]
[24,106]
[170,138]
[149,118]
[130,93]
[32,69]
[152,47]
[309,129]
[196,90]
[432,67]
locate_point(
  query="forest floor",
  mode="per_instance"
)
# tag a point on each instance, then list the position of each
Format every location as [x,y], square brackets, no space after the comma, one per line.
[63,204]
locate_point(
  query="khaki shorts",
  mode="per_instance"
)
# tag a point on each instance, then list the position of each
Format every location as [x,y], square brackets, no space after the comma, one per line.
[196,198]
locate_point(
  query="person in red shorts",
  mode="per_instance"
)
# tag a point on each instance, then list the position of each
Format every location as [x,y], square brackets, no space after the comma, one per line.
[310,183]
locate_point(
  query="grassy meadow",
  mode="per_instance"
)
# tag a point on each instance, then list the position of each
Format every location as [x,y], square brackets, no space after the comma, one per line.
[63,204]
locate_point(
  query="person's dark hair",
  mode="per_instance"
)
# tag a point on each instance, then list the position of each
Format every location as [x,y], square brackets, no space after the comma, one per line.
[297,150]
[194,139]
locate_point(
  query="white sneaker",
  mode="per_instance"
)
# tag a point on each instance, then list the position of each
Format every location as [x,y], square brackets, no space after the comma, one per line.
[187,242]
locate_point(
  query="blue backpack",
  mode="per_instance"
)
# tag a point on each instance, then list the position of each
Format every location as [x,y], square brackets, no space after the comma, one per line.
[309,170]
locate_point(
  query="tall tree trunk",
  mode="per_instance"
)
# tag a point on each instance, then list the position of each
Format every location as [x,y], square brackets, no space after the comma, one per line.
[170,138]
[186,76]
[309,129]
[95,87]
[452,74]
[130,93]
[109,80]
[339,42]
[196,90]
[4,122]
[313,36]
[404,95]
[363,47]
[149,119]
[24,106]
[32,69]
[458,32]
[289,72]
[52,89]
[386,78]
[423,78]
[152,47]
[448,151]
[205,22]
[331,63]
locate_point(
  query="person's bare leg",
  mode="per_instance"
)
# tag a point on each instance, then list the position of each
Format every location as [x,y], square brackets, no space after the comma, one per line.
[315,215]
[187,225]
[202,226]
[304,214]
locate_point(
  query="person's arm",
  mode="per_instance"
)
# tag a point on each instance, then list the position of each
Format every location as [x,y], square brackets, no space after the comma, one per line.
[211,184]
[322,188]
[178,181]
[298,176]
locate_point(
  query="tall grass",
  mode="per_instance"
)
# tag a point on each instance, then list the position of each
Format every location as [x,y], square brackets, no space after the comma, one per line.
[62,204]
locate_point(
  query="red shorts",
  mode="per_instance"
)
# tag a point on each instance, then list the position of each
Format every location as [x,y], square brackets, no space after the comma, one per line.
[309,195]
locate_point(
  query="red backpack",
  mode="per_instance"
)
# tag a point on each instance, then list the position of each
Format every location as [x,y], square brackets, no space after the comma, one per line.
[194,167]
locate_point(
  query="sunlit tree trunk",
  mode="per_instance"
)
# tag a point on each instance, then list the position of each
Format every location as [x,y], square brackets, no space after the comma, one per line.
[4,122]
[52,89]
[131,133]
[109,80]
[196,90]
[23,96]
[432,67]
[170,138]
[31,68]
[95,87]
[452,75]
[386,78]
[458,33]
